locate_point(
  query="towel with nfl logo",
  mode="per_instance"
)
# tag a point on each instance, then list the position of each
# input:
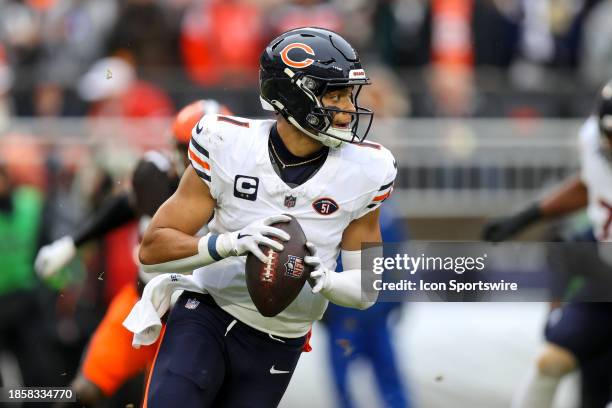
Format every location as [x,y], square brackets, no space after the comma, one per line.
[144,319]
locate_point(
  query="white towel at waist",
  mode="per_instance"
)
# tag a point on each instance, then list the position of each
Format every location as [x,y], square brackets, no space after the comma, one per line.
[144,319]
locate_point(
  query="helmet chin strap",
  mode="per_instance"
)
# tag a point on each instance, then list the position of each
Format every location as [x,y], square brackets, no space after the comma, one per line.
[326,140]
[266,105]
[342,134]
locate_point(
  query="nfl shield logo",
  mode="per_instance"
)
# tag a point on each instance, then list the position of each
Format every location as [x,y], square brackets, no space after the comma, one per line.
[192,304]
[290,201]
[294,267]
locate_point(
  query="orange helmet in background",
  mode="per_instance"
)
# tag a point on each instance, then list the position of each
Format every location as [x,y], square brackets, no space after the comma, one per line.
[189,116]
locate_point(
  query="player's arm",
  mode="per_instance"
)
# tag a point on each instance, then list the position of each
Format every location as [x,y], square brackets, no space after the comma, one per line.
[344,288]
[150,188]
[171,233]
[364,229]
[113,213]
[170,245]
[567,198]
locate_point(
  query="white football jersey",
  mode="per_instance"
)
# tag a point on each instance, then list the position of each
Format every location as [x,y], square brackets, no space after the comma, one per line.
[596,174]
[230,155]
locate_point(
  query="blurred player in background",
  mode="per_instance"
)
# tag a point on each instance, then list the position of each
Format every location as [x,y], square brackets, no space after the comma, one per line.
[110,360]
[312,162]
[367,333]
[580,332]
[21,326]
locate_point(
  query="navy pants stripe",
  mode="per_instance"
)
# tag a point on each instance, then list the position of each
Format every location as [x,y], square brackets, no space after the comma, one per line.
[202,364]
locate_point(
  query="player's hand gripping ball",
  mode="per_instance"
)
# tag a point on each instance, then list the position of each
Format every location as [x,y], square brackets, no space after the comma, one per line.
[275,284]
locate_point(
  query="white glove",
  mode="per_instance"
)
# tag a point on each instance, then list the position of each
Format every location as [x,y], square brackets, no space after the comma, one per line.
[250,237]
[53,257]
[320,277]
[344,288]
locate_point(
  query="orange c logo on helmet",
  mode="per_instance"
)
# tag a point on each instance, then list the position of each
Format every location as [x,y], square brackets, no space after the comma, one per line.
[297,64]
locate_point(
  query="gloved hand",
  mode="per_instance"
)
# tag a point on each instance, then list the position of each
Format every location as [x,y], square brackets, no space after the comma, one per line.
[343,289]
[320,277]
[249,238]
[53,257]
[500,229]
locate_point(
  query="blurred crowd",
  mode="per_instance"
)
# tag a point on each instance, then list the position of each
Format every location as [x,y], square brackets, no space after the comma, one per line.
[450,57]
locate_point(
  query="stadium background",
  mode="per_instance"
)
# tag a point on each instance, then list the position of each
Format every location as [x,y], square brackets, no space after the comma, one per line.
[479,101]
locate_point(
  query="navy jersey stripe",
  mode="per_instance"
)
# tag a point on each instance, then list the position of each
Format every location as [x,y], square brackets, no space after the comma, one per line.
[386,186]
[202,174]
[199,148]
[232,121]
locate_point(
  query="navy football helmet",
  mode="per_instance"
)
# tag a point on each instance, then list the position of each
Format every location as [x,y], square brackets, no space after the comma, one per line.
[300,66]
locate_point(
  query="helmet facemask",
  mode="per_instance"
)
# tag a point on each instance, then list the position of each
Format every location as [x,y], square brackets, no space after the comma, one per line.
[359,126]
[318,121]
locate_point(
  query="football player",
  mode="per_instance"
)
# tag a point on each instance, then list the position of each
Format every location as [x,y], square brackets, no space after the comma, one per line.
[311,162]
[110,360]
[579,333]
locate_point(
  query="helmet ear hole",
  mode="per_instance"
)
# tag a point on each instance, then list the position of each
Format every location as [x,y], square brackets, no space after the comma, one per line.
[312,85]
[313,120]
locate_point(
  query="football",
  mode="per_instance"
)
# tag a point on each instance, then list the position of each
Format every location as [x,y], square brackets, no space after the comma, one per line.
[274,285]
